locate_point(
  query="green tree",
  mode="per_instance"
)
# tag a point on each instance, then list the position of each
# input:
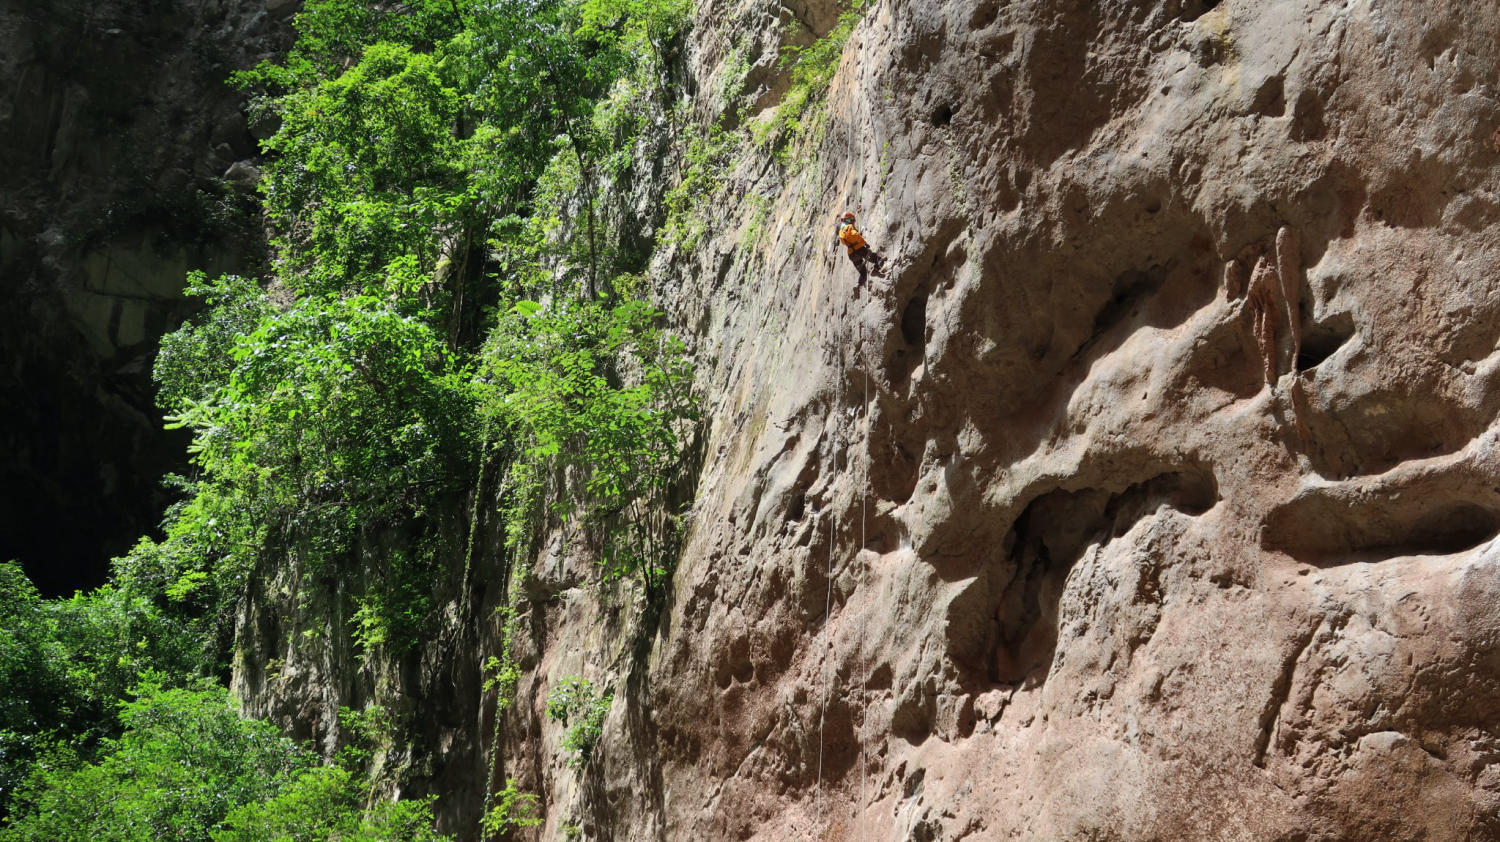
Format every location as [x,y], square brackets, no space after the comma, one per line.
[65,663]
[184,760]
[452,318]
[558,389]
[326,802]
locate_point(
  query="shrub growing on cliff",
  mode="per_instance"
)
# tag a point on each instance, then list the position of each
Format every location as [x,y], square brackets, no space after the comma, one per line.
[812,69]
[510,810]
[327,802]
[577,706]
[328,421]
[558,387]
[450,322]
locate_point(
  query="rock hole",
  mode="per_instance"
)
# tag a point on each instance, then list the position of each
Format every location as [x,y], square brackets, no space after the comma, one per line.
[1459,527]
[1453,530]
[1321,341]
[1129,290]
[1307,117]
[1049,537]
[1153,205]
[1325,530]
[914,713]
[797,508]
[1372,432]
[914,321]
[904,360]
[1270,100]
[942,115]
[1191,10]
[913,783]
[735,665]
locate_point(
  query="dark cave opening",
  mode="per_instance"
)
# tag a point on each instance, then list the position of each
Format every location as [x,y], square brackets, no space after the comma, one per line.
[82,457]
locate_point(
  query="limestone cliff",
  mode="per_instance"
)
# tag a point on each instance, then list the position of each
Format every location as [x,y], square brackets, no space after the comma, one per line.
[1151,496]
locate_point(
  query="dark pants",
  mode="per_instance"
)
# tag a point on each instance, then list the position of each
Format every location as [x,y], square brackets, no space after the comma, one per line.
[858,258]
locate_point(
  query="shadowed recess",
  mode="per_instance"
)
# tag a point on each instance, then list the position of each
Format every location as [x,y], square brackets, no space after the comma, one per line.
[1003,628]
[1325,530]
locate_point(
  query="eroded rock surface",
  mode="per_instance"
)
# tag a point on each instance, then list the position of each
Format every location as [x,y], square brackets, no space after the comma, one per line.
[1170,510]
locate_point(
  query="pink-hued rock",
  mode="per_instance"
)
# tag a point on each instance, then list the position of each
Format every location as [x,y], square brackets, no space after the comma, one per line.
[1170,510]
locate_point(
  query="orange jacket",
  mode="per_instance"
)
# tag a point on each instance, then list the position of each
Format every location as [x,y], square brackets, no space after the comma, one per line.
[852,238]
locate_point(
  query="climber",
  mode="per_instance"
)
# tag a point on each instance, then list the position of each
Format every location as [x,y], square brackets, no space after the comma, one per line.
[859,250]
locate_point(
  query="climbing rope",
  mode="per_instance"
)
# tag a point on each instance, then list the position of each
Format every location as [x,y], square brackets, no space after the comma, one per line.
[864,496]
[838,406]
[828,593]
[823,673]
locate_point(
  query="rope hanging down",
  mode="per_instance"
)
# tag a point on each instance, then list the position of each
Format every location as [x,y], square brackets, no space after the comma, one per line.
[828,574]
[864,495]
[838,406]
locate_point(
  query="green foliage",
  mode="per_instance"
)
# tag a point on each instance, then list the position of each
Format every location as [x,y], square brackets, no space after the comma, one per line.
[407,136]
[501,675]
[185,766]
[510,809]
[184,761]
[394,612]
[188,767]
[577,706]
[33,673]
[369,730]
[760,214]
[559,389]
[812,68]
[346,404]
[198,356]
[316,424]
[368,170]
[325,803]
[196,574]
[434,163]
[705,163]
[452,314]
[65,662]
[333,33]
[447,295]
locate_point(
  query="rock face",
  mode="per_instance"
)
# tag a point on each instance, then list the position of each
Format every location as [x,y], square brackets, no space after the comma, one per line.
[118,128]
[1157,483]
[1152,496]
